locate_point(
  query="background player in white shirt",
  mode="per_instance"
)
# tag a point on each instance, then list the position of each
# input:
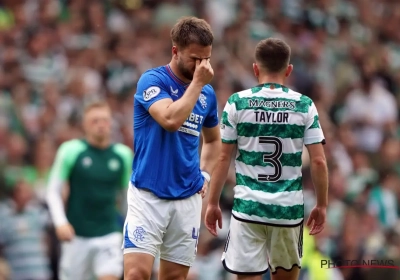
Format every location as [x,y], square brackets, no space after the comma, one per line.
[268,125]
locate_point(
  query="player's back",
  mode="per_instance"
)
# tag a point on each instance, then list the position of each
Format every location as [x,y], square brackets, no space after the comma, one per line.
[271,123]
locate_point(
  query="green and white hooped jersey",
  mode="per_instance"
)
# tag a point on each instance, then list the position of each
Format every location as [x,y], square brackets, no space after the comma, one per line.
[270,125]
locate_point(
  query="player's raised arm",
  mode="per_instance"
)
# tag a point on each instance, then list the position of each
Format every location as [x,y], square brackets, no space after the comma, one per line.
[171,115]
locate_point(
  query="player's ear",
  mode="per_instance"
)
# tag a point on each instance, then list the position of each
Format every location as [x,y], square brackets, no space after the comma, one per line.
[174,51]
[256,70]
[289,70]
[85,122]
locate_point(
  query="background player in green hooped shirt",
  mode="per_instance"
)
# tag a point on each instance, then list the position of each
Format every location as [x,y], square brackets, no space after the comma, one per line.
[96,171]
[268,126]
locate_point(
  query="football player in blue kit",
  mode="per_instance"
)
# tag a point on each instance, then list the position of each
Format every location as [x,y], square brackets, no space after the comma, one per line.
[173,106]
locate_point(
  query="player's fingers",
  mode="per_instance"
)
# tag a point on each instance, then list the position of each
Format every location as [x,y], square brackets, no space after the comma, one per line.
[66,237]
[71,232]
[70,235]
[220,222]
[198,62]
[204,64]
[214,230]
[317,229]
[309,221]
[201,192]
[211,228]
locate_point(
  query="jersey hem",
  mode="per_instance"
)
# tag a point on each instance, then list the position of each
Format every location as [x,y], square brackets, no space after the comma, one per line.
[166,197]
[266,223]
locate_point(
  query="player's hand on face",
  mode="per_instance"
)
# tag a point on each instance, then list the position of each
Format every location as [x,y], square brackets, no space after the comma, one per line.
[213,216]
[65,232]
[203,73]
[317,220]
[203,191]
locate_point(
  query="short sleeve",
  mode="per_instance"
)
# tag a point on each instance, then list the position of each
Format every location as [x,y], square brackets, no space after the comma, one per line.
[150,89]
[211,119]
[313,132]
[229,122]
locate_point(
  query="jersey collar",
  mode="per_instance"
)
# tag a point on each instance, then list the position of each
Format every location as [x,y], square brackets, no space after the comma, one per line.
[173,76]
[273,86]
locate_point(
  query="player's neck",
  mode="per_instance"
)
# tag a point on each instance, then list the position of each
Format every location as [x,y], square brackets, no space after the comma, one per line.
[177,73]
[100,144]
[271,79]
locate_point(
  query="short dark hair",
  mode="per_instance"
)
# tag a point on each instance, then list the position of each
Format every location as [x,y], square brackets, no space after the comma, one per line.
[95,105]
[191,30]
[273,55]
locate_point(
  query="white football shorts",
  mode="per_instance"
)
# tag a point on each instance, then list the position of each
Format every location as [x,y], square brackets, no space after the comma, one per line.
[251,248]
[91,258]
[168,228]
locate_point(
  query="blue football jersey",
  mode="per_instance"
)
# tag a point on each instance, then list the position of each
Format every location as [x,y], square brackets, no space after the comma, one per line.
[168,163]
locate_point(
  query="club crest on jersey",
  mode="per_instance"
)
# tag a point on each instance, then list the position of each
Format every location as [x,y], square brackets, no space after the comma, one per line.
[203,102]
[113,164]
[150,93]
[86,161]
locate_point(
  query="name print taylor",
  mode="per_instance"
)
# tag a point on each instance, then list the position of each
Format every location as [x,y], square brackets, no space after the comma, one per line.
[272,117]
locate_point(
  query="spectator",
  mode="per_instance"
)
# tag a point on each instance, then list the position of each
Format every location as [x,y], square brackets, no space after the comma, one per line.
[22,235]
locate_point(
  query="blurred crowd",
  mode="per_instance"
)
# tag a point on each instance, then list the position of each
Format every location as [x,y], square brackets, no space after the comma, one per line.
[56,55]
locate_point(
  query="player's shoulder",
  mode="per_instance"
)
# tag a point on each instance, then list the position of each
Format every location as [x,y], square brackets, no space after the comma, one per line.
[72,148]
[208,89]
[154,74]
[151,83]
[122,149]
[239,95]
[73,144]
[300,97]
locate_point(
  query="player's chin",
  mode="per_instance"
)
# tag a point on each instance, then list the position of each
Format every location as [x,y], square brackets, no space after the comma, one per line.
[188,74]
[101,136]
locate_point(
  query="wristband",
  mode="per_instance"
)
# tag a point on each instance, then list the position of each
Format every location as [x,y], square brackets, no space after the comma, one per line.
[206,176]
